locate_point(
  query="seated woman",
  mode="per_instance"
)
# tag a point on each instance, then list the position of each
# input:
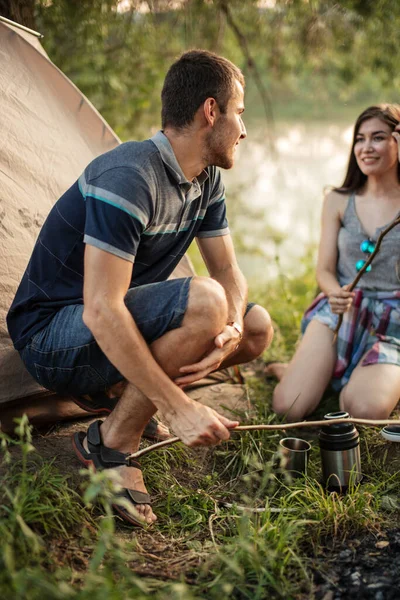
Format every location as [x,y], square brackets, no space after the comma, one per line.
[364,364]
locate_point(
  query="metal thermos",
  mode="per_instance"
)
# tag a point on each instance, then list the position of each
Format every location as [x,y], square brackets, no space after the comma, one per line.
[340,454]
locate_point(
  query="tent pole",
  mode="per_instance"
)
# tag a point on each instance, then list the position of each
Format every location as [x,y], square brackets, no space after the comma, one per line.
[14,24]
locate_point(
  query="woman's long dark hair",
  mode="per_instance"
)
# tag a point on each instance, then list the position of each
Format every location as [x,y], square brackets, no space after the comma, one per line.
[355,178]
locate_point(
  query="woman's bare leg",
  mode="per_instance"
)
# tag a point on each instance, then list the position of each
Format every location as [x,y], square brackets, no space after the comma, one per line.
[275,370]
[372,392]
[307,375]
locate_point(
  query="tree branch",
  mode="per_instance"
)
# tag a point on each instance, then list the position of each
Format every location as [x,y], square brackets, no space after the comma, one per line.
[280,426]
[20,11]
[243,43]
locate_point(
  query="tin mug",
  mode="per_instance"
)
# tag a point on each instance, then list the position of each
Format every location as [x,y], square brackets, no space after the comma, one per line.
[294,454]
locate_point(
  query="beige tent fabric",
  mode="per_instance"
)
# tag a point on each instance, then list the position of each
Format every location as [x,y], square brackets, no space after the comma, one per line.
[48,133]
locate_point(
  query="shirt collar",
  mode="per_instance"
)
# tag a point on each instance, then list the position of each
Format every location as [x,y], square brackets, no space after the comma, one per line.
[169,159]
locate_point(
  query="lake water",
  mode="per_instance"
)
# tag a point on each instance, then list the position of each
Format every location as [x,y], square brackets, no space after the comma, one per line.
[276,203]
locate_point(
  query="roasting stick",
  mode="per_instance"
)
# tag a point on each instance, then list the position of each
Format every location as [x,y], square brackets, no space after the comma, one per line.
[280,426]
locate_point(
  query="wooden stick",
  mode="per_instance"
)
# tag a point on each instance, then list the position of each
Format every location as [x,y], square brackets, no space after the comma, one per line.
[281,426]
[364,268]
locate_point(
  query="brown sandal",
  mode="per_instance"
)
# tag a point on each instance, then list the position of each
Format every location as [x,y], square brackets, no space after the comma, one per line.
[99,458]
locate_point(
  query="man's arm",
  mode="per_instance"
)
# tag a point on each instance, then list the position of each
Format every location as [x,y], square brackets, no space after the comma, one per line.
[219,256]
[107,279]
[220,259]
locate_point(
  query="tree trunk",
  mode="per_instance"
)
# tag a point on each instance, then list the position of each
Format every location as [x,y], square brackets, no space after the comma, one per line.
[20,11]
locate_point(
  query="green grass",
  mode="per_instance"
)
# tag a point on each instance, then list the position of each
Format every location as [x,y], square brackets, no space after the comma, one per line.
[229,525]
[35,501]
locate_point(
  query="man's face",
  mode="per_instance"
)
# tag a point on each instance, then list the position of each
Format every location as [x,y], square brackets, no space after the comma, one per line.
[229,129]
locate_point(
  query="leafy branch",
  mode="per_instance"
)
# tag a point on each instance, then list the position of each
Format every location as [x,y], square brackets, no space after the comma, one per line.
[244,45]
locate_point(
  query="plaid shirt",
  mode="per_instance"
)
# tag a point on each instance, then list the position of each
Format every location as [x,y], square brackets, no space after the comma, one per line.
[370,332]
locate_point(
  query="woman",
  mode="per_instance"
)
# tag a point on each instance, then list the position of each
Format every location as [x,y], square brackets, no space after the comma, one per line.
[364,364]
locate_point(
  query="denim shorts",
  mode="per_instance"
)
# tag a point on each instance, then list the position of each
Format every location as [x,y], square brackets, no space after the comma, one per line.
[64,356]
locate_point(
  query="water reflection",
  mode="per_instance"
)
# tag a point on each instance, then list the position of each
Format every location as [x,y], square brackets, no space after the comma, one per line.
[280,201]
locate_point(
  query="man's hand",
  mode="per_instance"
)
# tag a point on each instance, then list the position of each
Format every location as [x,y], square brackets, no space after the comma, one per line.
[341,300]
[225,344]
[199,425]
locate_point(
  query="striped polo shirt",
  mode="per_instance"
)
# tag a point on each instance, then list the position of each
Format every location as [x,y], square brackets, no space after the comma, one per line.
[134,202]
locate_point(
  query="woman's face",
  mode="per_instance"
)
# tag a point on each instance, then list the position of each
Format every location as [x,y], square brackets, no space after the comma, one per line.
[375,148]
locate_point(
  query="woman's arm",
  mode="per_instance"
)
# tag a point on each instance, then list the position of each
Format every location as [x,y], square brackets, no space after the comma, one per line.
[339,298]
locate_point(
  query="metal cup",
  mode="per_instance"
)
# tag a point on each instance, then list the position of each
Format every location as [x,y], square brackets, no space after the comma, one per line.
[295,453]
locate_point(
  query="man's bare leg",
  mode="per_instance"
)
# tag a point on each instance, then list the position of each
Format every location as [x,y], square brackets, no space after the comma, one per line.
[122,430]
[257,337]
[116,390]
[205,317]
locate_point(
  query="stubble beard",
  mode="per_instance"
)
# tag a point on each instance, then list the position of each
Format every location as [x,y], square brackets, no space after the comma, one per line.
[216,152]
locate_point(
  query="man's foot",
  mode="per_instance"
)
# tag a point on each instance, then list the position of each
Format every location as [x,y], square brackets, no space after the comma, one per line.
[275,370]
[94,453]
[132,479]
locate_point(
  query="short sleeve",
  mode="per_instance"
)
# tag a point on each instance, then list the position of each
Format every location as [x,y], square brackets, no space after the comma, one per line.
[118,210]
[215,222]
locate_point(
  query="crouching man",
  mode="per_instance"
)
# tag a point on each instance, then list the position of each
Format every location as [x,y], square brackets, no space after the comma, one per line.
[94,308]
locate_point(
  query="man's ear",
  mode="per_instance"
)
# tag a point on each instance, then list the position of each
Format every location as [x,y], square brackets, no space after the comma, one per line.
[211,111]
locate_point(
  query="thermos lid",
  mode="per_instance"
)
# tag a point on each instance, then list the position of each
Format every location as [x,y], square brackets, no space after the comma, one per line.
[391,433]
[337,428]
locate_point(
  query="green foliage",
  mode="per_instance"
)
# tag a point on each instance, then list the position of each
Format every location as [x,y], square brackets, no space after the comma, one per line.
[330,515]
[317,53]
[112,57]
[35,501]
[262,560]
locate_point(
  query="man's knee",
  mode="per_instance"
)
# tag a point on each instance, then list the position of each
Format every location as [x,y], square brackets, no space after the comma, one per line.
[258,331]
[207,303]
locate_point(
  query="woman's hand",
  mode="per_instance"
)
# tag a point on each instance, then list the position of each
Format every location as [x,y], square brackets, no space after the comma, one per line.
[396,135]
[341,300]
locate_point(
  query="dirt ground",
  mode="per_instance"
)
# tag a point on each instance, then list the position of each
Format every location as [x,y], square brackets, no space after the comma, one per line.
[362,568]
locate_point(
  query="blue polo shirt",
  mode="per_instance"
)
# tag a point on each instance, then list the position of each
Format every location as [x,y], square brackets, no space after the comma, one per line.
[134,202]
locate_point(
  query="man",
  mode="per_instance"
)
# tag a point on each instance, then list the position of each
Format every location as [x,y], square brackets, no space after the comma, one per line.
[94,307]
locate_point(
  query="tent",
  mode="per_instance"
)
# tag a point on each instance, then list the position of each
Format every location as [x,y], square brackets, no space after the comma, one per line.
[49,133]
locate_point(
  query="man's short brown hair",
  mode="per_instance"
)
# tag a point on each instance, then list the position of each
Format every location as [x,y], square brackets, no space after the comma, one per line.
[194,77]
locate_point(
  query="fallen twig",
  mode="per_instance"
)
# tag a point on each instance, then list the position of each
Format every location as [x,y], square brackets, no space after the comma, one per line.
[280,426]
[256,510]
[364,268]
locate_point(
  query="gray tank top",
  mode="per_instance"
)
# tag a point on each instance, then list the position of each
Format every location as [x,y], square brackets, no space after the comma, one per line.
[385,267]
